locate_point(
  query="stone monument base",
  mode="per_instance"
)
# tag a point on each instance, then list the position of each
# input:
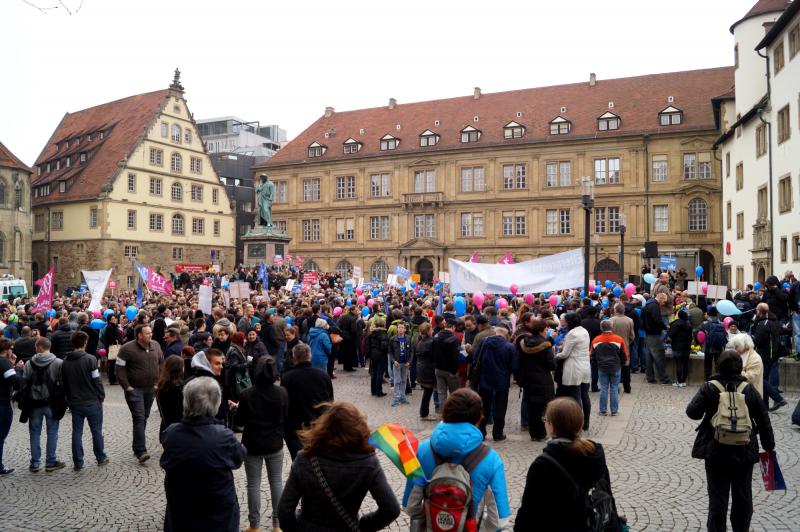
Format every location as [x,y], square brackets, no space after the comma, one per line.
[262,244]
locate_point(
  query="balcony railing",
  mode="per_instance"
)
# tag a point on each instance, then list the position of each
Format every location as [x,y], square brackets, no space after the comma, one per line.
[761,236]
[422,199]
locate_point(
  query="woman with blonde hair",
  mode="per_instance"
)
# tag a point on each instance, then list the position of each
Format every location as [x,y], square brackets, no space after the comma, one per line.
[752,365]
[333,473]
[569,466]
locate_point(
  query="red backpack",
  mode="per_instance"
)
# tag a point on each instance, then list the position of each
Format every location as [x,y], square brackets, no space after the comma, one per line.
[447,498]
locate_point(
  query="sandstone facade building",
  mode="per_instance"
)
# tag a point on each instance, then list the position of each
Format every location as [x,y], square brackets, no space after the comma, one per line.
[129,180]
[15,216]
[415,184]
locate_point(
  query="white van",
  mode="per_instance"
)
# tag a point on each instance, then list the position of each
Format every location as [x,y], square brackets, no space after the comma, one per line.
[12,288]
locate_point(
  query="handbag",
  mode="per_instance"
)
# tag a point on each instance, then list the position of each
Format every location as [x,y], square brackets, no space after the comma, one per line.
[352,525]
[113,351]
[336,338]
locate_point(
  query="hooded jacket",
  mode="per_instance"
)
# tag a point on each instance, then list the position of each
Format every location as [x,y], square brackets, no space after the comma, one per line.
[81,378]
[453,441]
[536,362]
[445,350]
[320,344]
[53,368]
[201,367]
[550,501]
[575,354]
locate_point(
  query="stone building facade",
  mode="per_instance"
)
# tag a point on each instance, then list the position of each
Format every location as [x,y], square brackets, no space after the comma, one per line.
[15,216]
[420,183]
[129,180]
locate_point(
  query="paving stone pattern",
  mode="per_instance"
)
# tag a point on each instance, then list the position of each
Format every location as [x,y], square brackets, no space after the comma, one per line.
[657,484]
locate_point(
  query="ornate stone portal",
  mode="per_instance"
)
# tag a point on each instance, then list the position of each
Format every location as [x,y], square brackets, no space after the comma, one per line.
[264,241]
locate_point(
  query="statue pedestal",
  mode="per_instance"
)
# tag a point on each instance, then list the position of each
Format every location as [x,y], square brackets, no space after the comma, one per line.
[261,244]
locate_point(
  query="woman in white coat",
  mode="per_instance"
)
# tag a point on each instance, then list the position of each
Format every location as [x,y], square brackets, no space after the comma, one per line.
[573,373]
[752,365]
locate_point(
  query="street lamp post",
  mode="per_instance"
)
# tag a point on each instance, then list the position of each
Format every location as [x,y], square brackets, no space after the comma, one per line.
[622,248]
[596,245]
[587,200]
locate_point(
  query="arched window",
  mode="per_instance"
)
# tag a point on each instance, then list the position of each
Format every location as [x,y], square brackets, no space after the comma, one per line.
[18,197]
[344,268]
[379,270]
[2,192]
[176,133]
[311,266]
[2,248]
[698,215]
[176,192]
[177,224]
[176,162]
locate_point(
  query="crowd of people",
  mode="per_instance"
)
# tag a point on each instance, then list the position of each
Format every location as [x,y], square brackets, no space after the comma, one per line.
[263,367]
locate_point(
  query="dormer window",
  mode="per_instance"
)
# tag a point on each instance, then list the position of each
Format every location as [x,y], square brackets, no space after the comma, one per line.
[428,138]
[470,134]
[560,126]
[607,122]
[84,157]
[513,130]
[389,142]
[102,135]
[315,149]
[671,116]
[351,145]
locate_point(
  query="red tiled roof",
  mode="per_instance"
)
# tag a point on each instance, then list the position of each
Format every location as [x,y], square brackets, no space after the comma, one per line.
[9,160]
[762,7]
[637,101]
[122,122]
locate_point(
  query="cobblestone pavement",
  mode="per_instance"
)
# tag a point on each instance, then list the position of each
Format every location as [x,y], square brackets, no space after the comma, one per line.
[658,486]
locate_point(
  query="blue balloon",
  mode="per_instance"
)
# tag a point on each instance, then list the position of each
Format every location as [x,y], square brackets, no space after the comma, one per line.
[107,313]
[786,286]
[605,303]
[727,308]
[375,292]
[617,291]
[608,284]
[97,324]
[403,289]
[439,286]
[649,278]
[699,271]
[421,292]
[364,312]
[349,302]
[757,286]
[51,313]
[598,288]
[546,295]
[131,312]
[460,306]
[289,320]
[583,294]
[413,284]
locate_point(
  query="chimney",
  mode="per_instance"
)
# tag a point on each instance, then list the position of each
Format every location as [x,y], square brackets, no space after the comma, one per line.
[392,103]
[476,93]
[592,79]
[328,112]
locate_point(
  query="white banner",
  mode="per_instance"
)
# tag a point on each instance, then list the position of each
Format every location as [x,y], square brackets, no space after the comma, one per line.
[545,274]
[96,282]
[204,302]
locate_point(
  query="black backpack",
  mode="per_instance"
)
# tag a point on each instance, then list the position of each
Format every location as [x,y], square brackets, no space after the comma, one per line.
[475,368]
[600,508]
[716,336]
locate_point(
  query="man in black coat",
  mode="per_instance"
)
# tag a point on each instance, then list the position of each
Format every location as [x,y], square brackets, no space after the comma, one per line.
[60,339]
[767,341]
[307,387]
[445,350]
[347,348]
[592,326]
[729,468]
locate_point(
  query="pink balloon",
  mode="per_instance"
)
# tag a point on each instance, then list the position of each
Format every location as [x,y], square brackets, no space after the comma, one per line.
[705,288]
[97,313]
[513,289]
[478,298]
[553,300]
[630,289]
[502,303]
[359,290]
[591,287]
[727,322]
[529,299]
[337,311]
[370,302]
[701,337]
[361,300]
[101,352]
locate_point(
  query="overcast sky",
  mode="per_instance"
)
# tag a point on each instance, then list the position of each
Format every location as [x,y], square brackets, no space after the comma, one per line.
[283,62]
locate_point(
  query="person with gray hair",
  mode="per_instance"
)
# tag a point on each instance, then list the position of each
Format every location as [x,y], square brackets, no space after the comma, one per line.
[752,366]
[199,457]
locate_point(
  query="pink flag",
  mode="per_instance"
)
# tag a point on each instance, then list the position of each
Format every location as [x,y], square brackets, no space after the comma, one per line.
[44,301]
[158,283]
[508,258]
[476,257]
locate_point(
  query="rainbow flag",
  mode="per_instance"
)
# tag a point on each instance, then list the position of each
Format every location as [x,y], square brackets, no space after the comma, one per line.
[400,445]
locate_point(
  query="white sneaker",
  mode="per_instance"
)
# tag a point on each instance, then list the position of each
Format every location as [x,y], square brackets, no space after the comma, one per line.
[676,384]
[683,385]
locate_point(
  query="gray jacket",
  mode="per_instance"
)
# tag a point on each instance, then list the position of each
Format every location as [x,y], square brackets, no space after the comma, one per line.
[42,360]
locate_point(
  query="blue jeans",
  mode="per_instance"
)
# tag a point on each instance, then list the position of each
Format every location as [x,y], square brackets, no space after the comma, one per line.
[35,428]
[376,378]
[93,413]
[609,380]
[643,354]
[6,417]
[279,359]
[796,331]
[400,373]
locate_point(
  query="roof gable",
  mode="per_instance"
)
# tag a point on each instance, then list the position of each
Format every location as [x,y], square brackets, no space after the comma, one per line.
[642,98]
[9,160]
